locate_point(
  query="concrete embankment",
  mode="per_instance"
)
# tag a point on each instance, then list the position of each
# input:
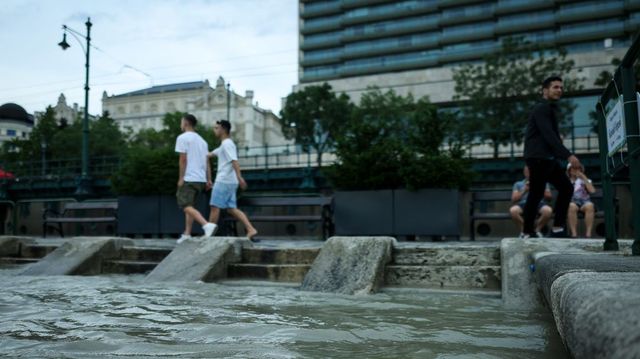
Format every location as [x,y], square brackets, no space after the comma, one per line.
[594,296]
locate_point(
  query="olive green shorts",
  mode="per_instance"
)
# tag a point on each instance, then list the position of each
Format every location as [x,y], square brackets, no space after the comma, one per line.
[187,194]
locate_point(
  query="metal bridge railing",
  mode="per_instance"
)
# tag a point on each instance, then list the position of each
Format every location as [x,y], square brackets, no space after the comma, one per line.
[619,132]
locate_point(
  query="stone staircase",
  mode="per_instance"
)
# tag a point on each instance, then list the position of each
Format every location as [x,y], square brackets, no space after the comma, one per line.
[136,259]
[273,264]
[454,266]
[28,253]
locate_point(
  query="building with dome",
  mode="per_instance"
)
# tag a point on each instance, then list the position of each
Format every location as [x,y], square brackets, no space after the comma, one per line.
[252,126]
[15,122]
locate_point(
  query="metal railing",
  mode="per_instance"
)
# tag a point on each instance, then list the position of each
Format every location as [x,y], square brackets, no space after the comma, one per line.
[579,140]
[619,132]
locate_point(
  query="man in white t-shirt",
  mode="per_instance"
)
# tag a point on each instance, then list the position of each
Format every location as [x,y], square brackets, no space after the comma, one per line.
[194,176]
[228,178]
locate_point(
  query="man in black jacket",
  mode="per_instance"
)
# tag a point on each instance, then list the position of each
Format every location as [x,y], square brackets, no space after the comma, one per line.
[543,151]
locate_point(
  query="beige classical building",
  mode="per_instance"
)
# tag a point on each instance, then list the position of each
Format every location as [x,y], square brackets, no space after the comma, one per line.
[252,126]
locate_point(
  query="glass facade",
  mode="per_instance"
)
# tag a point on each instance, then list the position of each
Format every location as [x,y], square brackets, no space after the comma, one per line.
[344,38]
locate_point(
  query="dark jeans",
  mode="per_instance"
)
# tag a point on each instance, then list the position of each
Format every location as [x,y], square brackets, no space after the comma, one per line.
[541,172]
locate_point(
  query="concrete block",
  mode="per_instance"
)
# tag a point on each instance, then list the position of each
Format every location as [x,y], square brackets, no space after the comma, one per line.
[200,259]
[550,267]
[519,289]
[598,314]
[350,265]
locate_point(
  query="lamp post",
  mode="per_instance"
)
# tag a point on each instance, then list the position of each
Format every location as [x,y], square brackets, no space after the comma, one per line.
[43,146]
[228,102]
[84,183]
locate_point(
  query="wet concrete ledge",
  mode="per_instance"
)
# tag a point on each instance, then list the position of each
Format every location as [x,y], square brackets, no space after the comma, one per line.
[594,295]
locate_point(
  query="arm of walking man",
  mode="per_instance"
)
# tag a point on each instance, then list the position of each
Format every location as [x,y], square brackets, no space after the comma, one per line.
[182,163]
[236,168]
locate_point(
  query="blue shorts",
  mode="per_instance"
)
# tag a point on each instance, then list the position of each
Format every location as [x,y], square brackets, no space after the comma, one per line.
[580,201]
[224,195]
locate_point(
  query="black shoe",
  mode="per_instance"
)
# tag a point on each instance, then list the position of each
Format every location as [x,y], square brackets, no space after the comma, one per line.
[559,234]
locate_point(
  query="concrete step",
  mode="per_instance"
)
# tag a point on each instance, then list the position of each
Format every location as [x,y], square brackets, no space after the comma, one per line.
[127,266]
[17,260]
[36,250]
[279,255]
[446,277]
[146,254]
[272,272]
[447,255]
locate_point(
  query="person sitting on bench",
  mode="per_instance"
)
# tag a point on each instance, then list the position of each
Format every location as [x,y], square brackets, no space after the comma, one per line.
[581,201]
[519,198]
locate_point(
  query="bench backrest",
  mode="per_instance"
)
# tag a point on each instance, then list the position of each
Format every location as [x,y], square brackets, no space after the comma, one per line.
[491,196]
[284,201]
[90,206]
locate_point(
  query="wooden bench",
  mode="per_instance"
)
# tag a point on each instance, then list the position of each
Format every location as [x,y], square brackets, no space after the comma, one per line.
[325,215]
[52,218]
[481,198]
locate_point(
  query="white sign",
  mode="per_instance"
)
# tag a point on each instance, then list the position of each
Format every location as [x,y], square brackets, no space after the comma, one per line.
[616,134]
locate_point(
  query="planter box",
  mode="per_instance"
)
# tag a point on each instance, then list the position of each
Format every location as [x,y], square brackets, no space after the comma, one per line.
[155,215]
[363,213]
[427,212]
[398,212]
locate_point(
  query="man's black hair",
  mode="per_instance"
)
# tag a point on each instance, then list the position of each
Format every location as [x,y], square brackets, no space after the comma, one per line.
[191,119]
[225,124]
[547,82]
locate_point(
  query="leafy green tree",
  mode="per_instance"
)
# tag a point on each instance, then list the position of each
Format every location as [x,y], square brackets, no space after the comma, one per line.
[387,142]
[150,164]
[497,95]
[313,116]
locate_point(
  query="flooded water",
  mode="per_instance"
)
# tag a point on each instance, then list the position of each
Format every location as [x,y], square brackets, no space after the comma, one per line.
[122,316]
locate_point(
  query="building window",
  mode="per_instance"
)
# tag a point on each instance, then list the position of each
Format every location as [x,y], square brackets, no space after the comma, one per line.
[121,110]
[11,133]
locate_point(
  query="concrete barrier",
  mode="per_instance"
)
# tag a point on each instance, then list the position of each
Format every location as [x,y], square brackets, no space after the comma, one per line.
[204,259]
[78,255]
[598,314]
[350,265]
[519,289]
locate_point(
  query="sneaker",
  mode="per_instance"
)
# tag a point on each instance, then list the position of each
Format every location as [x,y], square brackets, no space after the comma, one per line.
[524,235]
[209,229]
[183,238]
[561,233]
[539,234]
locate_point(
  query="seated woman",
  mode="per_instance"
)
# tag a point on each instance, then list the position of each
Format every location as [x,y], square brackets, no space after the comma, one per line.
[581,201]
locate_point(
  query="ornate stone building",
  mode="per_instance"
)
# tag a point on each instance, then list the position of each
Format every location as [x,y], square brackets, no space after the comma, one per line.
[252,126]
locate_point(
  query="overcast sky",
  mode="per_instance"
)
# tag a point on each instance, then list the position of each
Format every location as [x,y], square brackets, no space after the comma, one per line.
[251,43]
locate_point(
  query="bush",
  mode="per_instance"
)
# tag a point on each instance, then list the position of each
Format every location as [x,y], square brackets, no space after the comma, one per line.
[394,142]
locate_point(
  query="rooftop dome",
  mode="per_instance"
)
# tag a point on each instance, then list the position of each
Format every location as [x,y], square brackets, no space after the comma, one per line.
[11,111]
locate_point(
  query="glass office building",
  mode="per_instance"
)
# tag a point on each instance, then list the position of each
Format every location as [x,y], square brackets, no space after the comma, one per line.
[412,45]
[347,38]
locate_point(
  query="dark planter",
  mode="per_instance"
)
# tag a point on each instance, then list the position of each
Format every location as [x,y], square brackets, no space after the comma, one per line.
[138,215]
[427,212]
[155,215]
[363,213]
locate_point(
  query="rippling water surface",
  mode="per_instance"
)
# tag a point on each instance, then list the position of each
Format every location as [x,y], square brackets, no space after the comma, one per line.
[122,316]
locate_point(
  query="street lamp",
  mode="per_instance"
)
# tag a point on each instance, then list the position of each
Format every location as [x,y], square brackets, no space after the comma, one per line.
[228,101]
[43,146]
[84,183]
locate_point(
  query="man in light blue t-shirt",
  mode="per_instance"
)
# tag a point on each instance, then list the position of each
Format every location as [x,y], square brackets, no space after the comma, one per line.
[228,179]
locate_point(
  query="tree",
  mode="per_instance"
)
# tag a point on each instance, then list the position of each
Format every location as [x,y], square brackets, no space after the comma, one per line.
[313,116]
[388,139]
[497,95]
[150,163]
